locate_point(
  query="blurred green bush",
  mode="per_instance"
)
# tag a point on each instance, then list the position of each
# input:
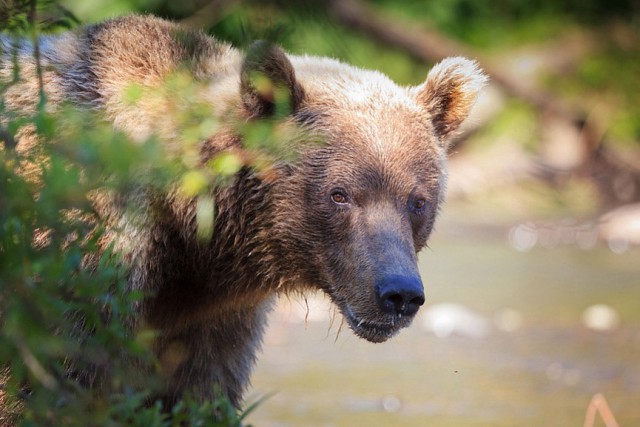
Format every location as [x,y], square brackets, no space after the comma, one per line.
[64,310]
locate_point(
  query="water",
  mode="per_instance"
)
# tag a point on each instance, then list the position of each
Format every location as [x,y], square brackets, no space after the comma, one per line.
[535,362]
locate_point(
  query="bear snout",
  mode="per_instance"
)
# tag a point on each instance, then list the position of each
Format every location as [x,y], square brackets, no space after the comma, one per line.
[400,295]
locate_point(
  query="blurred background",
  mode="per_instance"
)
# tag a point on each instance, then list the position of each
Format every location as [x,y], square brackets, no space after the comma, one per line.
[533,273]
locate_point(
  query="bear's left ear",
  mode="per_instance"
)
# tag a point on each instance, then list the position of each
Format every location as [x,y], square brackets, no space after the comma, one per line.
[449,92]
[268,84]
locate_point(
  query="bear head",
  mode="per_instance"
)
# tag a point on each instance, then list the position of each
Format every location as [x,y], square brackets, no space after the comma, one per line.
[353,210]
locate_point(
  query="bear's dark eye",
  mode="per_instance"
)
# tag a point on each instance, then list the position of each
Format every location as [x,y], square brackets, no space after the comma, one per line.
[418,204]
[339,197]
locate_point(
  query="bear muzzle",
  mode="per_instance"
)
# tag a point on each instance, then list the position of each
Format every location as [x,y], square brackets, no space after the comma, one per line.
[400,295]
[397,299]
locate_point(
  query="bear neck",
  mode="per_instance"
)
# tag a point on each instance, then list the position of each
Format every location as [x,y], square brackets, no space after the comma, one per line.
[260,246]
[247,246]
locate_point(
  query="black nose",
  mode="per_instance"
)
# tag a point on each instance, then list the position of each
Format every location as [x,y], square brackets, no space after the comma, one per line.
[400,295]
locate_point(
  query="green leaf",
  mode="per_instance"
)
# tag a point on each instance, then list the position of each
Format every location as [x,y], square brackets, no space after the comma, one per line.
[205,212]
[194,182]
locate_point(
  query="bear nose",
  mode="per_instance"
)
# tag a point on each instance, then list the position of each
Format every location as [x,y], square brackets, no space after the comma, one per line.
[400,295]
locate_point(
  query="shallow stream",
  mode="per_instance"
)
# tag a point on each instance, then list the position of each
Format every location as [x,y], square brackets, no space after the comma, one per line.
[507,338]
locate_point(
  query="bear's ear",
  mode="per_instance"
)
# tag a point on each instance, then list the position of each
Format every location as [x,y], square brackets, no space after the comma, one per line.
[268,83]
[449,93]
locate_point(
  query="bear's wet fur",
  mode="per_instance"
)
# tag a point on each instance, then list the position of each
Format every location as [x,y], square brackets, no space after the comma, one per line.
[346,216]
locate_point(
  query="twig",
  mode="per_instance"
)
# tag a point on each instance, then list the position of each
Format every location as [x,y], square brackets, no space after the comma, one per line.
[32,363]
[599,404]
[213,12]
[31,18]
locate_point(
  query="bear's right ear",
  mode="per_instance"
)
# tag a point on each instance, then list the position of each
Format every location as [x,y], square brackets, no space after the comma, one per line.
[449,92]
[268,84]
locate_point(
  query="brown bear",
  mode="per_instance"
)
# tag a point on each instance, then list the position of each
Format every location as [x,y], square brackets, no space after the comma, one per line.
[346,216]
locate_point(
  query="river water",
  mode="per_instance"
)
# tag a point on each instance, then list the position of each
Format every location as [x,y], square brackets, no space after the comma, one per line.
[510,336]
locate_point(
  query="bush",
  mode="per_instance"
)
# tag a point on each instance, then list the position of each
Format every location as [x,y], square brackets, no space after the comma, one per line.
[64,312]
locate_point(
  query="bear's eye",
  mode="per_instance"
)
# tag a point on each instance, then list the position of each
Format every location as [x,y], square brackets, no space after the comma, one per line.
[419,204]
[339,197]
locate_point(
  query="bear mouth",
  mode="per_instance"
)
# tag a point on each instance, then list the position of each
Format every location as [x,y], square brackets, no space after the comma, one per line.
[375,332]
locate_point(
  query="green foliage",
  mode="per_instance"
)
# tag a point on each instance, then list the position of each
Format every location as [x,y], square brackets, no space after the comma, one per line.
[63,302]
[488,22]
[65,310]
[17,16]
[613,89]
